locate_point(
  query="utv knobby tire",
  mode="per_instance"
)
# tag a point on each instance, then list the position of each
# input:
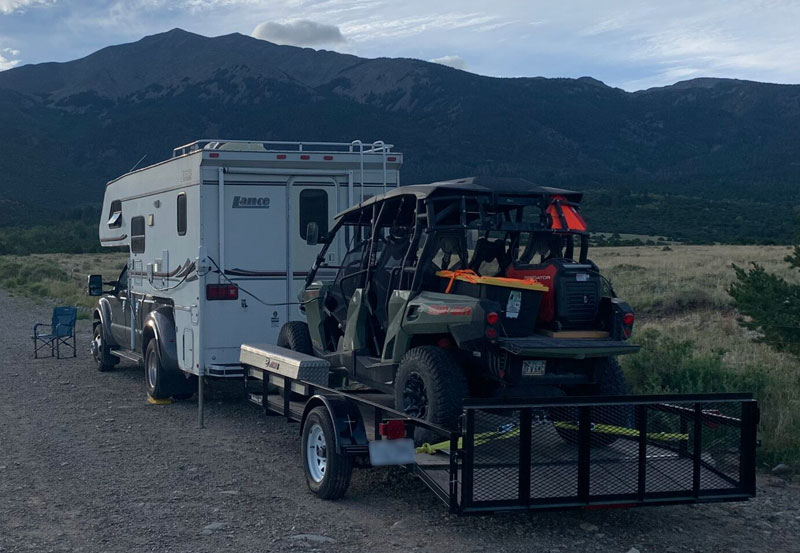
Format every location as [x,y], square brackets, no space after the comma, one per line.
[102,358]
[338,468]
[444,387]
[610,381]
[295,336]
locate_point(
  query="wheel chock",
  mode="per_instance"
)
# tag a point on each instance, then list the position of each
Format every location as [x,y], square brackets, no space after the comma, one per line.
[153,401]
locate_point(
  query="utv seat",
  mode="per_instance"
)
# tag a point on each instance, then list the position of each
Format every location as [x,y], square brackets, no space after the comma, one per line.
[489,258]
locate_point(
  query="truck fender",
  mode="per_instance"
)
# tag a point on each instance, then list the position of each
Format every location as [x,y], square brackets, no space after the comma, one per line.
[102,313]
[346,419]
[160,326]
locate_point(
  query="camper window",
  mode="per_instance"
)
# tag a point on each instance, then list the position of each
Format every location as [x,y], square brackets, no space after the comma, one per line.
[137,234]
[314,208]
[181,214]
[115,214]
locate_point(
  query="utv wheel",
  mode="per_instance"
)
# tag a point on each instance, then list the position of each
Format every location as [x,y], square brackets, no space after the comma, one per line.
[157,378]
[430,385]
[612,421]
[100,352]
[294,335]
[327,472]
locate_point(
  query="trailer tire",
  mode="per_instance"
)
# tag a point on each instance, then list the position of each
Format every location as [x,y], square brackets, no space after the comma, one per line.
[327,472]
[430,385]
[610,382]
[295,336]
[100,352]
[157,378]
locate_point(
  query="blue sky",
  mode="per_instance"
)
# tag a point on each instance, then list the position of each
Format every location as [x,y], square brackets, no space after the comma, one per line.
[632,45]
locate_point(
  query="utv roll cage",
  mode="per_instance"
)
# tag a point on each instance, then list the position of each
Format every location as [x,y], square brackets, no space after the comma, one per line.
[398,236]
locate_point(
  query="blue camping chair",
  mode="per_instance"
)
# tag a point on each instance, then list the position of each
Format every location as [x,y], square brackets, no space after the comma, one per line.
[62,332]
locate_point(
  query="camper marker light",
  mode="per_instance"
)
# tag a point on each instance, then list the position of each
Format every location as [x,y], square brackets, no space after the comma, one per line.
[281,156]
[492,318]
[392,158]
[213,155]
[222,292]
[327,158]
[628,318]
[305,156]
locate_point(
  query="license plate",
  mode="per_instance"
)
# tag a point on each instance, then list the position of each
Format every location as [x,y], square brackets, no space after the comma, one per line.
[533,367]
[392,452]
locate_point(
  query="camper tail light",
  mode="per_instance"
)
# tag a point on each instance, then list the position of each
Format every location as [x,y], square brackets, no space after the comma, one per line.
[222,292]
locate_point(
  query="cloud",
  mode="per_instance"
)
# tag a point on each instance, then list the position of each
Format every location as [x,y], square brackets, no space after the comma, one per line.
[11,6]
[456,62]
[300,32]
[6,61]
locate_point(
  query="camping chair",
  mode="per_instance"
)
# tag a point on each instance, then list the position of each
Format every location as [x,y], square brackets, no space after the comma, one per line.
[62,332]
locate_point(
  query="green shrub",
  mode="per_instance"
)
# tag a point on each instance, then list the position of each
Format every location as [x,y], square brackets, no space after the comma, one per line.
[670,365]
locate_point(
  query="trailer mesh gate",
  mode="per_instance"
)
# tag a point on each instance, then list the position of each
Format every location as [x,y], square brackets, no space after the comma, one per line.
[579,452]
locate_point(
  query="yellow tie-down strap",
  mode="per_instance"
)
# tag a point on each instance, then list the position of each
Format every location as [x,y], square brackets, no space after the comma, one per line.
[486,437]
[468,275]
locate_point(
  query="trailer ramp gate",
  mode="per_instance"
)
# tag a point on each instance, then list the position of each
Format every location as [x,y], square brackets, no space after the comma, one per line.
[558,453]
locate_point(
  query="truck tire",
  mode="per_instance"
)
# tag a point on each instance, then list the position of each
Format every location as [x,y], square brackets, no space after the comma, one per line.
[100,350]
[610,382]
[327,472]
[295,336]
[430,385]
[156,376]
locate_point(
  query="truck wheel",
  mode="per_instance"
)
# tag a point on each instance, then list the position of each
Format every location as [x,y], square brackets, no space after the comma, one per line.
[156,377]
[430,385]
[327,472]
[614,420]
[294,335]
[100,351]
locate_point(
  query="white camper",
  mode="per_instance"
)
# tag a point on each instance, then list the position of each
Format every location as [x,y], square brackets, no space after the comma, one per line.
[218,247]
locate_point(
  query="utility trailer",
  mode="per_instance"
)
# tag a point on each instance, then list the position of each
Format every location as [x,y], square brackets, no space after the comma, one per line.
[511,454]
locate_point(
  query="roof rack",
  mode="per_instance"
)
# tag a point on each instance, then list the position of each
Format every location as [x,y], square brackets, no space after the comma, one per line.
[356,146]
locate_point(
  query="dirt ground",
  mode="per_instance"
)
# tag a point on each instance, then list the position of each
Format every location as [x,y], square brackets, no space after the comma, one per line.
[86,464]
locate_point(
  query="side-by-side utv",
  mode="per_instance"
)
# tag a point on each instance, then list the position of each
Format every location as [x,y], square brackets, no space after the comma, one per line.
[475,287]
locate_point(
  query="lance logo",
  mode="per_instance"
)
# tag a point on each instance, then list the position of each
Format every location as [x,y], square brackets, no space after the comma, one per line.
[250,202]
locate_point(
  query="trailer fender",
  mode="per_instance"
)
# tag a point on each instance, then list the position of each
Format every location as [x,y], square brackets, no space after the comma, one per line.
[160,326]
[346,417]
[102,313]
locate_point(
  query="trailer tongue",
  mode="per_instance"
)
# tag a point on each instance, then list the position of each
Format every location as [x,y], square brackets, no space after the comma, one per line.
[509,455]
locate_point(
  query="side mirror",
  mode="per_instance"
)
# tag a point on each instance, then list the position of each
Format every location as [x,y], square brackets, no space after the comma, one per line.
[95,285]
[312,234]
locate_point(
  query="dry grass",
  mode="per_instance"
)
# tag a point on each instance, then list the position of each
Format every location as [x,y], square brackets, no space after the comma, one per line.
[57,278]
[658,282]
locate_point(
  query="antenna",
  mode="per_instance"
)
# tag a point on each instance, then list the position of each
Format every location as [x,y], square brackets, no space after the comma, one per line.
[135,165]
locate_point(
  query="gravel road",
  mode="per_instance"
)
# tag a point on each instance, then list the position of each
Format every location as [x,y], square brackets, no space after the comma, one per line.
[86,464]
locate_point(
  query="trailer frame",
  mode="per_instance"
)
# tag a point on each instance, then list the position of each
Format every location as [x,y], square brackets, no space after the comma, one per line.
[457,473]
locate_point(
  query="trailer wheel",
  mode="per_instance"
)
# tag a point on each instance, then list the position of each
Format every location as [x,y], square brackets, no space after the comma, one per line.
[430,385]
[156,377]
[295,336]
[616,420]
[327,472]
[100,352]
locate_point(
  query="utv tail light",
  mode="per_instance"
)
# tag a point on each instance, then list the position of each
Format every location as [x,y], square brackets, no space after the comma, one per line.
[393,429]
[492,318]
[222,292]
[491,333]
[628,318]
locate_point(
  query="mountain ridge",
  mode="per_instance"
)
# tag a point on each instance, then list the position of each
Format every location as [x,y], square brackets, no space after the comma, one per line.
[69,127]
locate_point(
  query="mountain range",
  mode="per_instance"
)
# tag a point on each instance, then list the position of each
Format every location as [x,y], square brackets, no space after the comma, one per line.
[702,160]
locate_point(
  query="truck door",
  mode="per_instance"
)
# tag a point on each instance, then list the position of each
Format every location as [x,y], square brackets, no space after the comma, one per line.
[121,311]
[310,202]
